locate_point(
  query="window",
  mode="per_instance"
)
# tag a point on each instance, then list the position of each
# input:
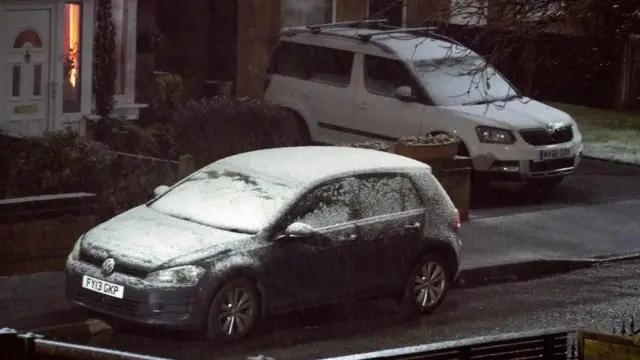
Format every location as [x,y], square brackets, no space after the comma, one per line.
[27,36]
[308,62]
[328,205]
[462,80]
[383,76]
[291,60]
[120,14]
[332,66]
[72,40]
[384,195]
[308,12]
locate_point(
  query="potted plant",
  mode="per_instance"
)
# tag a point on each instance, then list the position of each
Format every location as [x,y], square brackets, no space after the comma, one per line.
[429,147]
[373,145]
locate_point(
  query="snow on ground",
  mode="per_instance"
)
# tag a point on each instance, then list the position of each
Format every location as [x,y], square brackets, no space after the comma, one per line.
[608,144]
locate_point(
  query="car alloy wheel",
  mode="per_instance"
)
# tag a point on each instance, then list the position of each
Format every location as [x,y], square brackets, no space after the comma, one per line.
[234,311]
[428,284]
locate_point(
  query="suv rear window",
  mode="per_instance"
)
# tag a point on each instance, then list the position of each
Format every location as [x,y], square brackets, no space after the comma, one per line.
[309,62]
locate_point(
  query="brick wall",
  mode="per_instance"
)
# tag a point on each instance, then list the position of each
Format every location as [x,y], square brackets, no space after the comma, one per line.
[37,233]
[419,11]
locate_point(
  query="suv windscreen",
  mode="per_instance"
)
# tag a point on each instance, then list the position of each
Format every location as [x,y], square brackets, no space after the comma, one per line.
[463,80]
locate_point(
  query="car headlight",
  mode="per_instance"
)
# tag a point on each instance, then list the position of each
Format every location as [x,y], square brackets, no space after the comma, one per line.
[75,252]
[179,276]
[492,135]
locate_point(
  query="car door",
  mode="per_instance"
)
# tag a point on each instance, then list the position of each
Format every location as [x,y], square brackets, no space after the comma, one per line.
[390,223]
[315,268]
[379,114]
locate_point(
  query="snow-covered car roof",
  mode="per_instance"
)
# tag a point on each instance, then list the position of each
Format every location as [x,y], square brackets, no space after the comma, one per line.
[310,164]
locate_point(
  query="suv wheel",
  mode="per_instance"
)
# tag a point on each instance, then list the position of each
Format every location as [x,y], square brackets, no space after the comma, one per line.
[428,284]
[234,311]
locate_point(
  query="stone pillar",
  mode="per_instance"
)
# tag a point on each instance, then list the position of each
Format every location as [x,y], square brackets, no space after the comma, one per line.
[419,11]
[258,30]
[351,10]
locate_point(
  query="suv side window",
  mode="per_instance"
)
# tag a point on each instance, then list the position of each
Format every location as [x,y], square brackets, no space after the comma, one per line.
[332,66]
[387,194]
[383,76]
[328,205]
[292,60]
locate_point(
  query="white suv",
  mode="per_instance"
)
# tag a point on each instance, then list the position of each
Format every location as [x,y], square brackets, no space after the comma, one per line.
[364,81]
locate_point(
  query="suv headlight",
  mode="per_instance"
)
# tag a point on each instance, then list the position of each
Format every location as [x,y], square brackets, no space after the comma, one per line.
[492,135]
[179,276]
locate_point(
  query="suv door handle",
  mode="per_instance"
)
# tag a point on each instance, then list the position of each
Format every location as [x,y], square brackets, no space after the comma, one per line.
[363,105]
[305,95]
[414,226]
[351,237]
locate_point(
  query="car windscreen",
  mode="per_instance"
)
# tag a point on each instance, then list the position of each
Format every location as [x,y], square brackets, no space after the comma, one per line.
[462,80]
[226,198]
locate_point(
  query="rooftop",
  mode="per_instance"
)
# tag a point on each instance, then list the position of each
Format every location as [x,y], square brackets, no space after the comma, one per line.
[310,164]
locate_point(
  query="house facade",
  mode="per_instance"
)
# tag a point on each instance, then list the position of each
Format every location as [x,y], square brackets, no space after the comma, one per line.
[46,75]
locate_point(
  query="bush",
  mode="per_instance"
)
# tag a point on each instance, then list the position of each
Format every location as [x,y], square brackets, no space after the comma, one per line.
[56,163]
[124,136]
[168,95]
[214,128]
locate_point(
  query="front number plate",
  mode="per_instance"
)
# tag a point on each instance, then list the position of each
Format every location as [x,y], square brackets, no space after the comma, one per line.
[554,154]
[103,287]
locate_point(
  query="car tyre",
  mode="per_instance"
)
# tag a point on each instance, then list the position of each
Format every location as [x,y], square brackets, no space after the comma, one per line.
[234,311]
[428,285]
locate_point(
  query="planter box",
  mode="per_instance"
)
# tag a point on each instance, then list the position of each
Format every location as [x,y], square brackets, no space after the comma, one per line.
[455,176]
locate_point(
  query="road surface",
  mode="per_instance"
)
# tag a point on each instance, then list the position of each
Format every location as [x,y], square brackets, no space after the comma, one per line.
[597,298]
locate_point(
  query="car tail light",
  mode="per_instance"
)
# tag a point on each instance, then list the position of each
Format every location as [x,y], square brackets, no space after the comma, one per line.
[456,220]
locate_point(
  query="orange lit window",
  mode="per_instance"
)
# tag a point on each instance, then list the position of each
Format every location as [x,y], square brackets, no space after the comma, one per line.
[72,56]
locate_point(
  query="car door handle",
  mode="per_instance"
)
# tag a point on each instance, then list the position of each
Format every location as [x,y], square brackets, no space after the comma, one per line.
[351,237]
[363,106]
[305,95]
[414,226]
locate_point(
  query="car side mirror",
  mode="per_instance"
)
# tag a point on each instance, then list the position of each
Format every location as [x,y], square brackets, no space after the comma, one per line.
[298,230]
[160,190]
[403,93]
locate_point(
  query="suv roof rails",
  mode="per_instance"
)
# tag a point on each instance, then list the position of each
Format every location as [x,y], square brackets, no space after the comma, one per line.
[319,27]
[367,37]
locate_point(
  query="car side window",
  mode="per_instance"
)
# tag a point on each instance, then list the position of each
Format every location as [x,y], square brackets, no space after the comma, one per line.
[292,60]
[332,66]
[383,76]
[387,194]
[328,205]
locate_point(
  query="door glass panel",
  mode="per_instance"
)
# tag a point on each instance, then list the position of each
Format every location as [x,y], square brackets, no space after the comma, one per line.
[37,80]
[71,88]
[328,205]
[15,88]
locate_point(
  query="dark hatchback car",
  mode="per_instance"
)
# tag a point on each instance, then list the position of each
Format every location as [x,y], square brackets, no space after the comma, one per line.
[270,231]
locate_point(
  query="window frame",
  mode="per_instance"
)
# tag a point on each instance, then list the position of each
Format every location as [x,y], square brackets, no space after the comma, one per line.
[362,177]
[421,95]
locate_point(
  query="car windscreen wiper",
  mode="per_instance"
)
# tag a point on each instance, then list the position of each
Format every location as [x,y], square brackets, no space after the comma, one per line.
[491,101]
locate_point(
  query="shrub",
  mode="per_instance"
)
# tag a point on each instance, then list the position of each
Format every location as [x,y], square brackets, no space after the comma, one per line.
[168,95]
[214,128]
[440,139]
[56,163]
[125,136]
[373,145]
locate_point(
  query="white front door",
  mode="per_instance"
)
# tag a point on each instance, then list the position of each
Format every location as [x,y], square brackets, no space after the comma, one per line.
[27,35]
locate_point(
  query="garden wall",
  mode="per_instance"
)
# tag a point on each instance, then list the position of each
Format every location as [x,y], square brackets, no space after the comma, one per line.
[37,233]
